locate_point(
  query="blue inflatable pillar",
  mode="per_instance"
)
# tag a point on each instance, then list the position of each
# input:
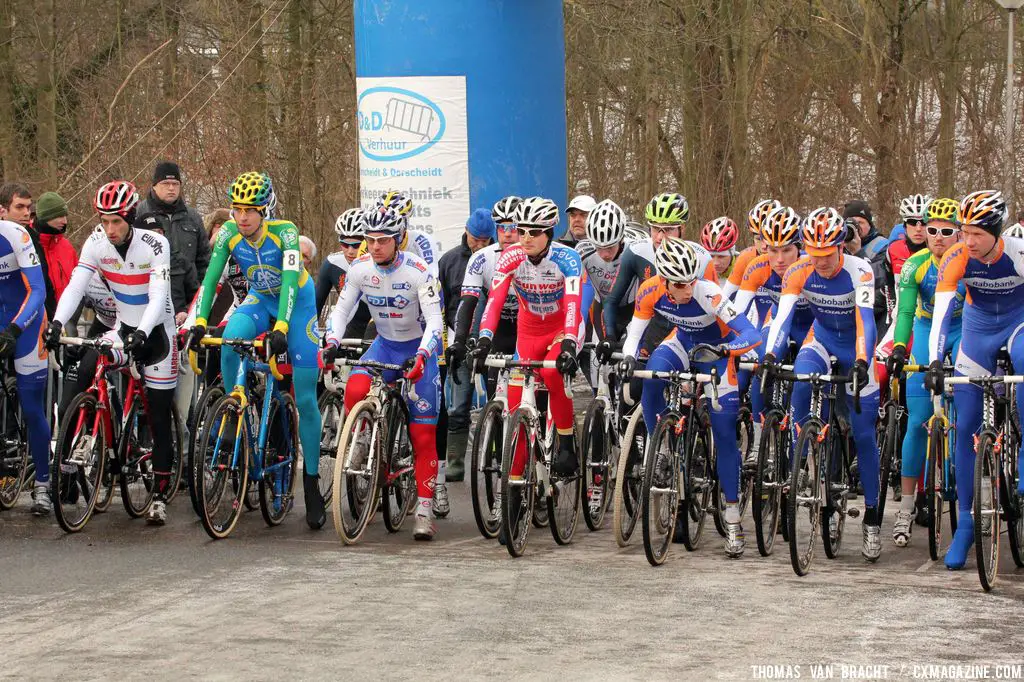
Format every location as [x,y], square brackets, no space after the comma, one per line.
[461,102]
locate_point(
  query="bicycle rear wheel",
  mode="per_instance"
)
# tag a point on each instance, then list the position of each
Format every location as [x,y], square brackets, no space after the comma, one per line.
[194,463]
[598,439]
[935,487]
[135,456]
[987,512]
[629,481]
[804,498]
[768,482]
[888,446]
[564,500]
[280,459]
[223,478]
[660,495]
[834,509]
[518,493]
[80,454]
[357,472]
[15,470]
[700,480]
[485,473]
[332,416]
[399,489]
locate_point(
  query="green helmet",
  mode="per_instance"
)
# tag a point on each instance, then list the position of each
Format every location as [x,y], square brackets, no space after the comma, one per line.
[252,189]
[667,208]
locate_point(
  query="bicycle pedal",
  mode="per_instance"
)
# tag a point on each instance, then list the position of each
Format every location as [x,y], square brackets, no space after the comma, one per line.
[853,512]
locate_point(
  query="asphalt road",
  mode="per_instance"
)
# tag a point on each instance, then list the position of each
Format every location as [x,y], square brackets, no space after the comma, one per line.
[123,599]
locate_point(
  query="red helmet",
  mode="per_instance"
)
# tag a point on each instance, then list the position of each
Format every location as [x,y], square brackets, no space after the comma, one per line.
[117,198]
[719,235]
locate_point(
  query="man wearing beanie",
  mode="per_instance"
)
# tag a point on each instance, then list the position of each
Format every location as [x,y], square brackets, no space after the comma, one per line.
[872,242]
[480,232]
[51,222]
[190,249]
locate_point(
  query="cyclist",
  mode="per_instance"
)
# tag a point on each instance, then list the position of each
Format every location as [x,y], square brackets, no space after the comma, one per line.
[349,228]
[759,293]
[267,250]
[888,264]
[699,313]
[415,241]
[404,298]
[719,238]
[135,265]
[992,268]
[755,217]
[547,279]
[841,292]
[601,254]
[918,280]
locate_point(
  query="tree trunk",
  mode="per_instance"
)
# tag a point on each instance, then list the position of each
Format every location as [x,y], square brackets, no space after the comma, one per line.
[8,135]
[46,95]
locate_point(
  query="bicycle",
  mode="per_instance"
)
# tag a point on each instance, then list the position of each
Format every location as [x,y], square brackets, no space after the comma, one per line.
[485,455]
[995,472]
[939,480]
[821,477]
[376,455]
[332,415]
[237,447]
[601,445]
[536,439]
[91,455]
[680,475]
[771,474]
[629,479]
[16,470]
[892,414]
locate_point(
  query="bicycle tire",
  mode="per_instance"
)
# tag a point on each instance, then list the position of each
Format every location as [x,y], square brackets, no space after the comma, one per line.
[596,447]
[837,451]
[801,545]
[70,485]
[887,448]
[935,487]
[193,463]
[137,480]
[660,504]
[15,454]
[398,492]
[277,484]
[485,470]
[518,497]
[766,503]
[177,456]
[332,417]
[349,531]
[221,471]
[629,479]
[564,502]
[987,468]
[700,478]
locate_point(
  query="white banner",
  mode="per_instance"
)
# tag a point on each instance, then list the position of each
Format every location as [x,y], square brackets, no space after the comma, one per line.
[413,138]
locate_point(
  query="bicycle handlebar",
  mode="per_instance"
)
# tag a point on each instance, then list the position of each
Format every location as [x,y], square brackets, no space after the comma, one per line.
[101,345]
[257,344]
[509,362]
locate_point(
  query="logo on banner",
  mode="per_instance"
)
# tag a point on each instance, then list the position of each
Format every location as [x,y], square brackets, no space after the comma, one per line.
[396,123]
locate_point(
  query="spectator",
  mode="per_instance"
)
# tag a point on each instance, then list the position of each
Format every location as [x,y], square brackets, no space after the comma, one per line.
[872,242]
[16,204]
[213,221]
[579,208]
[480,232]
[190,252]
[308,249]
[51,222]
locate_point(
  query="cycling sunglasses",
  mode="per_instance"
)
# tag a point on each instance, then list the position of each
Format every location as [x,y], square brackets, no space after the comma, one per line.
[506,227]
[531,231]
[946,232]
[352,244]
[913,222]
[655,227]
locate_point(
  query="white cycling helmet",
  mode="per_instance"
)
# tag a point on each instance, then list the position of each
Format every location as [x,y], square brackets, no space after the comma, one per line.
[537,212]
[915,206]
[606,224]
[1016,231]
[676,260]
[350,224]
[635,232]
[504,210]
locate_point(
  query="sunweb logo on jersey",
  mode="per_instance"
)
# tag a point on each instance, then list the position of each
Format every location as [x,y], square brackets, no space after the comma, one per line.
[396,124]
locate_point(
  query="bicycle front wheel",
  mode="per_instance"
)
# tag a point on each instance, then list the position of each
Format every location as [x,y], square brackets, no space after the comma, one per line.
[399,489]
[833,512]
[280,458]
[177,456]
[888,452]
[987,513]
[804,498]
[629,481]
[485,474]
[768,482]
[935,486]
[700,480]
[196,457]
[597,442]
[659,498]
[79,457]
[15,472]
[564,500]
[223,478]
[332,416]
[135,456]
[518,491]
[357,472]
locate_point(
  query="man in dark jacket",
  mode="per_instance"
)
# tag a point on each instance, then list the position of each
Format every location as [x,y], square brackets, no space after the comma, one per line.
[452,270]
[190,250]
[871,240]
